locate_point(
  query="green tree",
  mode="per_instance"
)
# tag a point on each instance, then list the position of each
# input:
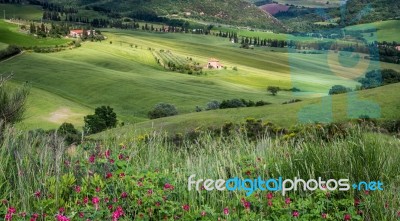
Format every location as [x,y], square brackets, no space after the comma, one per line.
[273,90]
[70,134]
[12,102]
[103,118]
[338,89]
[162,110]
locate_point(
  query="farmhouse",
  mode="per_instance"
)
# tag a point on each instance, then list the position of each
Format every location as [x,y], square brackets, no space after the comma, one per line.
[214,64]
[79,32]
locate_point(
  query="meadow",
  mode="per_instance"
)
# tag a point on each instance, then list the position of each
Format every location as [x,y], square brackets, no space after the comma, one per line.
[24,12]
[385,30]
[125,177]
[140,170]
[125,63]
[11,34]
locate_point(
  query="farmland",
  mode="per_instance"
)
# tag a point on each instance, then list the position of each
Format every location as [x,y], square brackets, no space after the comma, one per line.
[124,68]
[25,12]
[11,34]
[304,109]
[125,62]
[385,30]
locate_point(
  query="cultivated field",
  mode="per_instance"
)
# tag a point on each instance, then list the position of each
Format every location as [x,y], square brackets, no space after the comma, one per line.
[125,65]
[11,34]
[385,30]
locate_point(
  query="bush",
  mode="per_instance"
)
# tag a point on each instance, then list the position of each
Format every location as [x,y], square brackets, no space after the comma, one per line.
[12,102]
[103,118]
[262,103]
[10,51]
[339,89]
[292,101]
[162,110]
[213,105]
[234,103]
[70,134]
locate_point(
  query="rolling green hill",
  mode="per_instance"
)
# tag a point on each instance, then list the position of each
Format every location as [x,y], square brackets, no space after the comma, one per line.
[236,12]
[126,76]
[11,34]
[385,30]
[279,114]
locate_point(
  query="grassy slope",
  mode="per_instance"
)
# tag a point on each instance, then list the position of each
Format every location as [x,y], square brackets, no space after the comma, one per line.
[282,115]
[10,34]
[3,46]
[385,30]
[128,78]
[311,3]
[26,12]
[237,12]
[47,111]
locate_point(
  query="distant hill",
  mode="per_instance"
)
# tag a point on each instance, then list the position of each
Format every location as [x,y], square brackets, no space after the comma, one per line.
[234,12]
[366,11]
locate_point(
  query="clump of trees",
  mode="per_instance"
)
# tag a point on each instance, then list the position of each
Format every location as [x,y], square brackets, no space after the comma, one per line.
[378,78]
[162,110]
[12,102]
[339,89]
[234,103]
[103,118]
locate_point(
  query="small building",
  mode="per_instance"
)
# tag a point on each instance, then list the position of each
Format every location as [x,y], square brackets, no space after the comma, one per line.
[79,32]
[398,48]
[214,64]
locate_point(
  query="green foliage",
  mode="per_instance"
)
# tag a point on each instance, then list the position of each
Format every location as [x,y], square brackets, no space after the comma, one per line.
[103,118]
[10,51]
[273,90]
[378,78]
[70,134]
[338,89]
[12,102]
[213,105]
[234,103]
[120,174]
[162,110]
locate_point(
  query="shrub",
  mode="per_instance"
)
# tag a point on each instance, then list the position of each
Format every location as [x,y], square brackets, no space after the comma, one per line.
[12,102]
[338,89]
[234,103]
[262,103]
[162,110]
[70,134]
[213,105]
[103,118]
[10,51]
[292,101]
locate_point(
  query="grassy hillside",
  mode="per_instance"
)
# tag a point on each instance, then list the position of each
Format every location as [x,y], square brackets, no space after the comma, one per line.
[16,11]
[11,34]
[126,76]
[367,11]
[385,30]
[279,114]
[236,12]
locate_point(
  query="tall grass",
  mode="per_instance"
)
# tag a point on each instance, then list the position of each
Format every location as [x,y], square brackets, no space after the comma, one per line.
[28,160]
